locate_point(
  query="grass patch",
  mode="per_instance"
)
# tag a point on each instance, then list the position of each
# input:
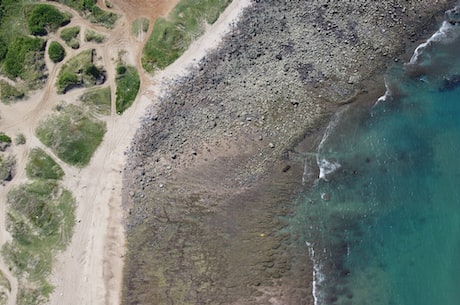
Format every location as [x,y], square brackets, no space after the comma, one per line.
[70,36]
[97,100]
[46,18]
[92,12]
[56,52]
[79,71]
[140,25]
[128,83]
[72,134]
[40,219]
[10,93]
[41,166]
[94,36]
[172,36]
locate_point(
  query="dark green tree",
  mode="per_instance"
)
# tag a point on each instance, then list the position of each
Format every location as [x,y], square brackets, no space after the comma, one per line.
[56,52]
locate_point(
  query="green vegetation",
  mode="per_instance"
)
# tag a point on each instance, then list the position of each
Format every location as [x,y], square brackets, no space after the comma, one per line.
[56,51]
[94,36]
[25,52]
[46,18]
[4,138]
[3,48]
[92,12]
[7,167]
[140,25]
[72,134]
[20,139]
[172,36]
[41,219]
[70,36]
[98,100]
[79,71]
[128,84]
[108,4]
[13,19]
[5,287]
[42,166]
[9,93]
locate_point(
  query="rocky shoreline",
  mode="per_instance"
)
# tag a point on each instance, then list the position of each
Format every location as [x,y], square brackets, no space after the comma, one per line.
[216,168]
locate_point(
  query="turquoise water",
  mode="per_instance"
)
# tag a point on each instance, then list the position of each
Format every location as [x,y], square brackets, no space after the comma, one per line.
[382,224]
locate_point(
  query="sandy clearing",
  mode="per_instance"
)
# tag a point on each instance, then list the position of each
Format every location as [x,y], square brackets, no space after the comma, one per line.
[89,272]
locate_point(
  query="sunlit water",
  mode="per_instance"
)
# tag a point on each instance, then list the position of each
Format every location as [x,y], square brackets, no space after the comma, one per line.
[382,224]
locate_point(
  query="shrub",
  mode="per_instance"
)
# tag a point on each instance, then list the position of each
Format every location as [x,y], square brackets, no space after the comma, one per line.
[4,138]
[3,48]
[44,18]
[67,81]
[56,51]
[7,168]
[20,139]
[128,84]
[18,50]
[94,36]
[68,34]
[9,92]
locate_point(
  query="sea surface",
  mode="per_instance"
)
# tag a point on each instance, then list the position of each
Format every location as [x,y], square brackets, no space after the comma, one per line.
[382,221]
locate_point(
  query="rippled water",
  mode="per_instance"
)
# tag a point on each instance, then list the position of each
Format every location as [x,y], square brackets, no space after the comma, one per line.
[382,223]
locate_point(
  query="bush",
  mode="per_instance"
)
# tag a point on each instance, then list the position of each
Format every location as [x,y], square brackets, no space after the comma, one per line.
[56,52]
[67,81]
[4,138]
[7,168]
[9,92]
[44,18]
[3,48]
[68,34]
[128,84]
[20,139]
[19,50]
[94,36]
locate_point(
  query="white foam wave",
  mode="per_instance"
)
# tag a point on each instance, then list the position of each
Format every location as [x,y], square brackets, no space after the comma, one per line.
[327,167]
[318,277]
[446,33]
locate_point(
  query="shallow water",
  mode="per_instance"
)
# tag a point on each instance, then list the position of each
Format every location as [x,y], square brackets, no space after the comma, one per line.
[382,224]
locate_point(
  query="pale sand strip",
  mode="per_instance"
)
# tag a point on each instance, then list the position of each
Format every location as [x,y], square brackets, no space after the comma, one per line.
[89,272]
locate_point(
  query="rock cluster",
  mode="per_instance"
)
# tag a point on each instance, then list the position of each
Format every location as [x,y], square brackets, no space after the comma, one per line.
[212,172]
